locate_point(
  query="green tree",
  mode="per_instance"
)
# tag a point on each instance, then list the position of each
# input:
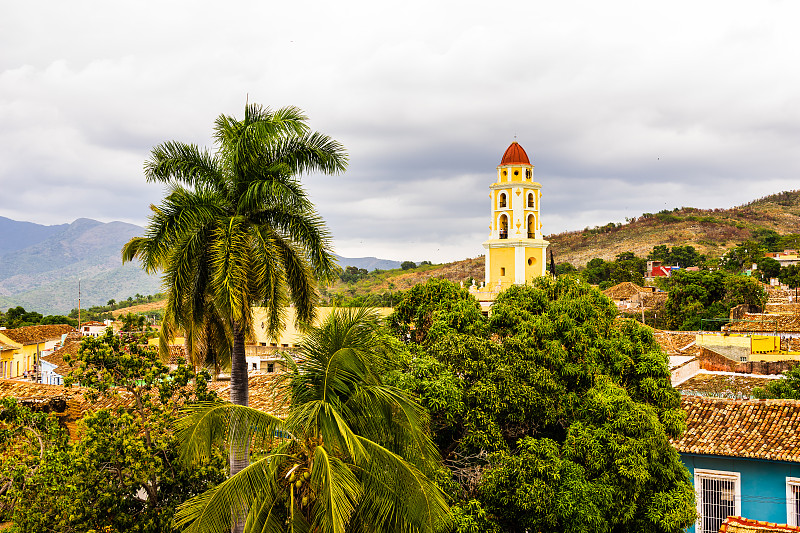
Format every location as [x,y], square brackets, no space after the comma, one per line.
[625,267]
[743,256]
[745,290]
[790,275]
[123,473]
[28,439]
[352,274]
[768,268]
[697,297]
[238,230]
[18,317]
[406,265]
[351,454]
[769,238]
[788,388]
[567,411]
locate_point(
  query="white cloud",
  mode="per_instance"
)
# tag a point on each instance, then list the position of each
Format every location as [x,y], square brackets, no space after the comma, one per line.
[624,107]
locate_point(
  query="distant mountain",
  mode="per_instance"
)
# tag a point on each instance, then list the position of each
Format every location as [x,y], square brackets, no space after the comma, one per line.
[40,265]
[43,276]
[368,263]
[16,235]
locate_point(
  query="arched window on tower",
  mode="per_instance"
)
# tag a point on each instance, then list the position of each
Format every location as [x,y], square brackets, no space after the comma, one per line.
[530,200]
[531,227]
[528,173]
[502,199]
[503,227]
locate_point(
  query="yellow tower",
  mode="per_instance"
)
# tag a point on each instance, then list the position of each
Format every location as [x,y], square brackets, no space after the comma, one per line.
[515,251]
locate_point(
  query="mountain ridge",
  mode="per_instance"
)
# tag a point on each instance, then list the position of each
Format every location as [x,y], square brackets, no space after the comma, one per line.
[42,275]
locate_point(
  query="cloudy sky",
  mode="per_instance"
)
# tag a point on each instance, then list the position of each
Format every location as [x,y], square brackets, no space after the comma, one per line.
[624,107]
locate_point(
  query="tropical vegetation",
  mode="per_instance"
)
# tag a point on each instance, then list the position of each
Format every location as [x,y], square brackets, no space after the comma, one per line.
[121,471]
[552,415]
[349,455]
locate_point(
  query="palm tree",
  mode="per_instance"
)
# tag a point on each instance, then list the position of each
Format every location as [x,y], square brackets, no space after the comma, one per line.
[350,456]
[236,228]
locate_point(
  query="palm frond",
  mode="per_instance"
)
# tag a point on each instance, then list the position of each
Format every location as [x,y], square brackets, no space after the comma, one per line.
[206,424]
[185,163]
[402,497]
[337,492]
[232,500]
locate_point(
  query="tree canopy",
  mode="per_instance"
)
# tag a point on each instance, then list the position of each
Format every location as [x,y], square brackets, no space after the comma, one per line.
[552,415]
[122,473]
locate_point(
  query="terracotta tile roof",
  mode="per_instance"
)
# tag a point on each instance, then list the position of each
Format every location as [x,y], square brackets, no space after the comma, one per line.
[623,291]
[654,299]
[767,322]
[515,155]
[755,429]
[56,358]
[783,308]
[67,403]
[675,342]
[176,352]
[737,524]
[266,392]
[93,323]
[34,334]
[723,384]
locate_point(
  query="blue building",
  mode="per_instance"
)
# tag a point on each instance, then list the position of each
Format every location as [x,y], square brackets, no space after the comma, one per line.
[744,457]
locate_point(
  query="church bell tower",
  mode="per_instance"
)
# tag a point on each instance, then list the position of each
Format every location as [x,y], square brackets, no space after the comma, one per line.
[515,251]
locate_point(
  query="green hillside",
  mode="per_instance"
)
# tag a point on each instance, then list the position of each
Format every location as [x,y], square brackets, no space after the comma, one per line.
[710,231]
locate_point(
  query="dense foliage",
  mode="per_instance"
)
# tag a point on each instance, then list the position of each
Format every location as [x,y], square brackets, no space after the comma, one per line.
[552,415]
[351,454]
[682,256]
[788,388]
[123,472]
[703,300]
[18,317]
[626,267]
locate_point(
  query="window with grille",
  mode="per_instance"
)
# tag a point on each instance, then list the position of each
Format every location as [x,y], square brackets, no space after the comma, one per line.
[793,501]
[718,496]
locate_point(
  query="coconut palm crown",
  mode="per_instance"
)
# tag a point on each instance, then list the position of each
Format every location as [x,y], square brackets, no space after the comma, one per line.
[350,456]
[236,229]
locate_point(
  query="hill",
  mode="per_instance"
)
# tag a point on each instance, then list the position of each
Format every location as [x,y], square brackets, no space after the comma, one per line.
[40,265]
[710,231]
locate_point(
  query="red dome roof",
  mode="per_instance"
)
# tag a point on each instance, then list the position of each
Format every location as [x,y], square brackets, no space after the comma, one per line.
[515,155]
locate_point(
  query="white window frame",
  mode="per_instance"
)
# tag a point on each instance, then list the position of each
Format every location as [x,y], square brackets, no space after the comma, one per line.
[701,473]
[791,499]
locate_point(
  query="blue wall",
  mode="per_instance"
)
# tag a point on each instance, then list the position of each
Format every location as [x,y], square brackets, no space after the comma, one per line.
[763,483]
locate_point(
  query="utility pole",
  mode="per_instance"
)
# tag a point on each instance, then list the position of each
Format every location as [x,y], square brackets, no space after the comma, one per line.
[641,304]
[79,305]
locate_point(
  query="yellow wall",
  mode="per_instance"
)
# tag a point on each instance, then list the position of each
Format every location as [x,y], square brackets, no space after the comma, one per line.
[291,335]
[771,357]
[765,343]
[535,269]
[177,341]
[502,258]
[20,359]
[739,341]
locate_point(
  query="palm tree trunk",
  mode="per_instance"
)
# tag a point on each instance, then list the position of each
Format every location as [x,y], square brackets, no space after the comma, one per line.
[238,458]
[239,389]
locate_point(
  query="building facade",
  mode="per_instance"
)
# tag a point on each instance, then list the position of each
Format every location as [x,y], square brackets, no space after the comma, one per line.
[515,250]
[744,459]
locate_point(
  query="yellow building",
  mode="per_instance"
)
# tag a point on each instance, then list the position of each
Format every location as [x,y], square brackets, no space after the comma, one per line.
[515,251]
[22,347]
[291,335]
